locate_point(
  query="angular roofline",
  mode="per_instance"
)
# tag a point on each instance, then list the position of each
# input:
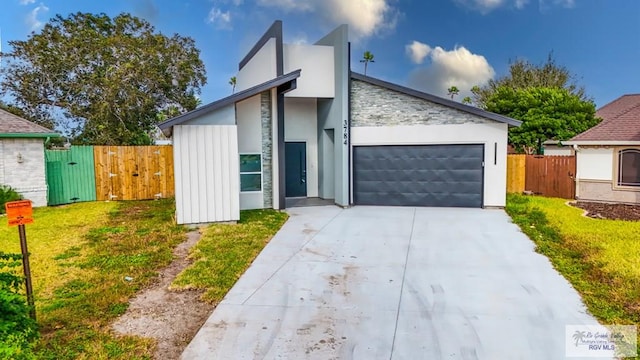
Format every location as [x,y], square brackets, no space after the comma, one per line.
[436,99]
[41,132]
[289,78]
[274,31]
[602,142]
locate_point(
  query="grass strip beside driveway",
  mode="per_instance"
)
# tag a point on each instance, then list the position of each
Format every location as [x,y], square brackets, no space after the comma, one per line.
[600,257]
[225,251]
[80,256]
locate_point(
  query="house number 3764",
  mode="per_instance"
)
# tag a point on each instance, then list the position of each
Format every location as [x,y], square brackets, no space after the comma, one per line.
[345,133]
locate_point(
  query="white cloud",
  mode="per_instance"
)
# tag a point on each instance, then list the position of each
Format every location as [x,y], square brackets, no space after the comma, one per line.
[417,51]
[32,19]
[221,19]
[486,6]
[27,2]
[565,3]
[365,17]
[458,67]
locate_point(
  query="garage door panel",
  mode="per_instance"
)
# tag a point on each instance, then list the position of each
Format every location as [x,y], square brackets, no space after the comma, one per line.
[419,175]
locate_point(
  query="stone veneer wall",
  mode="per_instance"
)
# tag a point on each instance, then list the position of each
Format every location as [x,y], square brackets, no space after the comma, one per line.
[28,176]
[604,191]
[373,105]
[266,119]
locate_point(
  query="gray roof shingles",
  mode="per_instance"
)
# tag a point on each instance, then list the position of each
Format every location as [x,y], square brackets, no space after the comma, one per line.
[620,121]
[12,124]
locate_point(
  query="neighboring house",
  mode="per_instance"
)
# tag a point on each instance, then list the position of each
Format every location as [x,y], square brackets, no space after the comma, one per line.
[301,124]
[608,154]
[22,164]
[557,148]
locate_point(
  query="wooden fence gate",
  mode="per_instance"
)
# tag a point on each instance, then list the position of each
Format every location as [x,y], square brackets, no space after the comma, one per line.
[133,172]
[552,176]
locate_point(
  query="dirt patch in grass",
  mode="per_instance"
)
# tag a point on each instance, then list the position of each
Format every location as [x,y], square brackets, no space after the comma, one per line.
[610,211]
[171,318]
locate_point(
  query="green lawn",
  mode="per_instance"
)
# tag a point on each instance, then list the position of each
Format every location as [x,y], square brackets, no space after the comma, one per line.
[83,256]
[601,258]
[226,251]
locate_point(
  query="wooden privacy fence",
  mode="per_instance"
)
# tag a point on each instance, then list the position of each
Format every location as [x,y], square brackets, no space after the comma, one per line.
[552,176]
[89,173]
[133,172]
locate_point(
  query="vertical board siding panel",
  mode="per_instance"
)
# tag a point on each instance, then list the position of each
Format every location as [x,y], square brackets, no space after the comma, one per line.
[218,172]
[226,168]
[178,171]
[202,174]
[234,172]
[193,178]
[211,197]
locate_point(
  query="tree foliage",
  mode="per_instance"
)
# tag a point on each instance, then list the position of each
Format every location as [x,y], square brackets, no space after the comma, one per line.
[546,113]
[524,74]
[367,58]
[102,80]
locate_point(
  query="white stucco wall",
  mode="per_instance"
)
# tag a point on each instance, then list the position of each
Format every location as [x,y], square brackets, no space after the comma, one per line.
[301,124]
[206,168]
[558,151]
[223,116]
[595,164]
[250,142]
[317,63]
[27,174]
[495,174]
[261,68]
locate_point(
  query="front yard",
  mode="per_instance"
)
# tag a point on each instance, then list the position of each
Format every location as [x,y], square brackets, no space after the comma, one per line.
[89,259]
[600,257]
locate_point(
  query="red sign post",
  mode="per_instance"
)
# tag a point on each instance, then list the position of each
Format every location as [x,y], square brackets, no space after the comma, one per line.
[20,213]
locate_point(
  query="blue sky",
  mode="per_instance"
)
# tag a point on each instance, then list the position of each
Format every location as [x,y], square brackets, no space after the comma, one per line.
[428,45]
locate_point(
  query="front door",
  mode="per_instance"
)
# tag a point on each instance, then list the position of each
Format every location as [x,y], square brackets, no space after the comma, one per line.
[295,154]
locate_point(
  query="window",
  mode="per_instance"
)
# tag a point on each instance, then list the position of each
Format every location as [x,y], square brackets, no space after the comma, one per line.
[629,167]
[250,172]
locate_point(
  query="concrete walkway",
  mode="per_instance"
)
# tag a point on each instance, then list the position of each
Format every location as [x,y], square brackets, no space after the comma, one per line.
[394,283]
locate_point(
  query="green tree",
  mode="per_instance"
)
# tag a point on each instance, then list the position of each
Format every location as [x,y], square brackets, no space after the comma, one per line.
[546,113]
[233,81]
[453,91]
[524,74]
[467,100]
[102,80]
[367,58]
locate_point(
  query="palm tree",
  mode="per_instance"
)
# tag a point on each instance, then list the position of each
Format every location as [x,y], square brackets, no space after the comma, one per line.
[578,336]
[366,59]
[453,91]
[232,82]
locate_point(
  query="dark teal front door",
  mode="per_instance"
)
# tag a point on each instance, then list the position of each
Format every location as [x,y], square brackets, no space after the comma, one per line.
[295,154]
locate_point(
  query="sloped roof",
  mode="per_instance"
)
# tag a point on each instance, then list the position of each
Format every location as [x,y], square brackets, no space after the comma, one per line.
[620,121]
[15,126]
[289,79]
[436,99]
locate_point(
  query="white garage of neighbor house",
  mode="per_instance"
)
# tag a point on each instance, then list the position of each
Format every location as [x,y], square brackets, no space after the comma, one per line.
[302,125]
[22,163]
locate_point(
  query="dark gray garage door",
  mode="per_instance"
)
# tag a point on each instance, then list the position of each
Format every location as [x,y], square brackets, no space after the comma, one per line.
[418,175]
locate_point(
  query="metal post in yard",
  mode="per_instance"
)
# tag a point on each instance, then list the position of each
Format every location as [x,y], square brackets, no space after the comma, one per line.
[27,270]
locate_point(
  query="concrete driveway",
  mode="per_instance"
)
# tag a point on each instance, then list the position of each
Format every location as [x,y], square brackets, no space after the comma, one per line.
[394,283]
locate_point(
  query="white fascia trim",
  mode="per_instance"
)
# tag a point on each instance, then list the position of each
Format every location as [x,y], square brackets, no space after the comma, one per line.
[602,143]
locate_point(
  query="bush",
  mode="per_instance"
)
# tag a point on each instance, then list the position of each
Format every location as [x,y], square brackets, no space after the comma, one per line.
[17,329]
[7,193]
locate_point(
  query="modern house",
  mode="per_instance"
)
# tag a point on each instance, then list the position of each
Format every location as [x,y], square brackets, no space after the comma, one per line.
[22,163]
[302,125]
[608,154]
